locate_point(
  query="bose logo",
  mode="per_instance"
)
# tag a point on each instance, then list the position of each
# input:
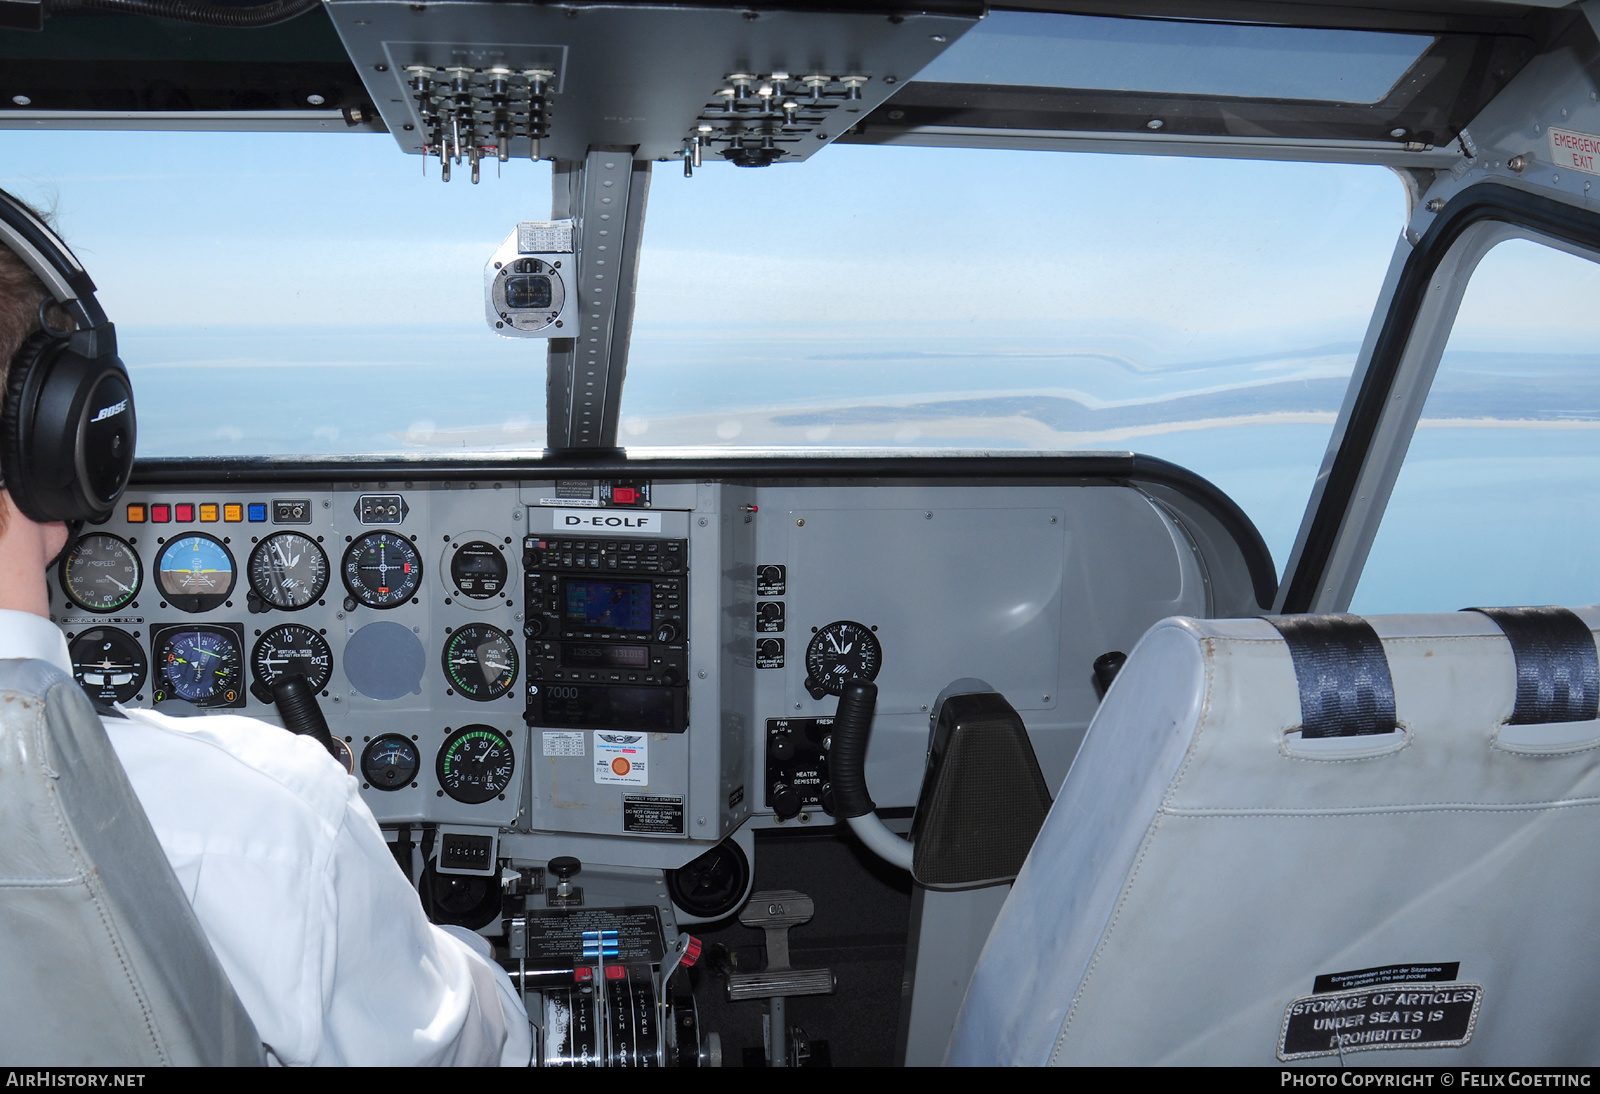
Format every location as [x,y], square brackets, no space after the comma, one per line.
[110,412]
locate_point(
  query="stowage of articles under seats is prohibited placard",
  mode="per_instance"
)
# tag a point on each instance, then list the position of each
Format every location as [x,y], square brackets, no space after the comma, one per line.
[1391,1016]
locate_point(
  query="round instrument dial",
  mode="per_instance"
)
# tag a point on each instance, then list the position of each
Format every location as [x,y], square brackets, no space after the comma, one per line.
[203,665]
[478,570]
[382,569]
[475,764]
[390,762]
[291,648]
[109,664]
[839,652]
[480,661]
[101,573]
[195,572]
[288,570]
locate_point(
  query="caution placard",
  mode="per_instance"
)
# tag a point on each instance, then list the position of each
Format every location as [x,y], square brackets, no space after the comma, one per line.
[1356,1021]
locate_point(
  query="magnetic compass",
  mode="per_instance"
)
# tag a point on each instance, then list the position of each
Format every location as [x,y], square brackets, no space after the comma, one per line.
[839,652]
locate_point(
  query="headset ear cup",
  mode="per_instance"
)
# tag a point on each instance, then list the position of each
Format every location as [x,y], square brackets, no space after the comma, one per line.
[34,355]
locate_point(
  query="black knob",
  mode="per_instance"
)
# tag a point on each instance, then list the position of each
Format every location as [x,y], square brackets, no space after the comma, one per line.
[827,798]
[670,677]
[666,633]
[1106,667]
[671,562]
[785,800]
[781,747]
[564,867]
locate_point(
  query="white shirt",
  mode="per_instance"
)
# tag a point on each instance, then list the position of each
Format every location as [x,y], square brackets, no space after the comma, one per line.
[320,933]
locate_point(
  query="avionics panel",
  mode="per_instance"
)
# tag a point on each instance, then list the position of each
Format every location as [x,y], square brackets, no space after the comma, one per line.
[607,628]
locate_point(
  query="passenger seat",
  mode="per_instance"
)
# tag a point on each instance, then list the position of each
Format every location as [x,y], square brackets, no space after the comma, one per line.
[1317,838]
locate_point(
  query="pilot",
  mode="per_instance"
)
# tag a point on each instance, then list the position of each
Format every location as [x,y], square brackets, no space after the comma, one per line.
[321,935]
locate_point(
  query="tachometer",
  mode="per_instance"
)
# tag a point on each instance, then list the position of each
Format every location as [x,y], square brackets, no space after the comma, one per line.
[839,652]
[108,664]
[290,648]
[195,572]
[480,661]
[390,762]
[382,569]
[288,571]
[201,664]
[475,764]
[101,573]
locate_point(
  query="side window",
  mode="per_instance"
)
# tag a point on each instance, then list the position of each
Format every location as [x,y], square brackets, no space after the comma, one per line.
[1498,502]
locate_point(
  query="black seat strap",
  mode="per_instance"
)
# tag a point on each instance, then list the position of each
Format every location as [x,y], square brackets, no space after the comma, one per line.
[1339,663]
[1558,670]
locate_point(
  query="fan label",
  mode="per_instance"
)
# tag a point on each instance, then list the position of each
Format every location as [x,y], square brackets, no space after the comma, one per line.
[656,816]
[1362,1019]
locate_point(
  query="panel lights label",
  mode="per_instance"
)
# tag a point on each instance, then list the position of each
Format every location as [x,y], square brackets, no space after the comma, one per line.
[621,757]
[606,520]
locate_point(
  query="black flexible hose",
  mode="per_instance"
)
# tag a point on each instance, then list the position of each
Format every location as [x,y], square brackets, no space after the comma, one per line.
[197,11]
[848,753]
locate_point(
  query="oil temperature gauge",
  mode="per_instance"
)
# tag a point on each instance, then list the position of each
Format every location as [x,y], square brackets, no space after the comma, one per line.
[475,764]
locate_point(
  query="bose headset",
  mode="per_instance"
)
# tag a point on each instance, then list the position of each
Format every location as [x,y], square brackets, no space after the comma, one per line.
[67,426]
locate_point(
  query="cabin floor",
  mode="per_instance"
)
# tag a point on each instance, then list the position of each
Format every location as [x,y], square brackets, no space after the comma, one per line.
[863,909]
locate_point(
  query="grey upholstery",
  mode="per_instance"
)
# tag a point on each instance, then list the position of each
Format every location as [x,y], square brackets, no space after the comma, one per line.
[1204,865]
[101,957]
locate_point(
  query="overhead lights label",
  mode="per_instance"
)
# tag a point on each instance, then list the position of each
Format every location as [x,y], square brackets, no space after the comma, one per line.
[1577,151]
[606,520]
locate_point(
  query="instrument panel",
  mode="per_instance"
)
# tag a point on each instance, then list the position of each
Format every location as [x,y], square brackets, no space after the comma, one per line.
[595,667]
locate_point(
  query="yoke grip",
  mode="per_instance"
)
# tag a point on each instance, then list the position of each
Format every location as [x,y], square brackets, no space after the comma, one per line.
[847,756]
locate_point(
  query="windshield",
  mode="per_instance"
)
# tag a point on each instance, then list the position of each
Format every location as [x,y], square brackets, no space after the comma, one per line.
[294,294]
[317,294]
[1205,311]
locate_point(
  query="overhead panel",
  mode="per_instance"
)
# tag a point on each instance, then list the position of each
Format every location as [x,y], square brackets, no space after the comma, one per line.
[470,81]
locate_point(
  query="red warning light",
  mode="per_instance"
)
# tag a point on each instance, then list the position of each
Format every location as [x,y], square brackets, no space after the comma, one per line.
[624,495]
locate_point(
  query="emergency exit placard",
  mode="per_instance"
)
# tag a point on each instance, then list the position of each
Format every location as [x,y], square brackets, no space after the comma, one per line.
[1578,151]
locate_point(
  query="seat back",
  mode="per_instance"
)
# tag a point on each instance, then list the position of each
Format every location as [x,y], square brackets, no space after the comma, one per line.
[101,956]
[1254,861]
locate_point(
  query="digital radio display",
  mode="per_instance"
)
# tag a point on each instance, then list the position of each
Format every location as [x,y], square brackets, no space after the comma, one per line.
[607,657]
[608,605]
